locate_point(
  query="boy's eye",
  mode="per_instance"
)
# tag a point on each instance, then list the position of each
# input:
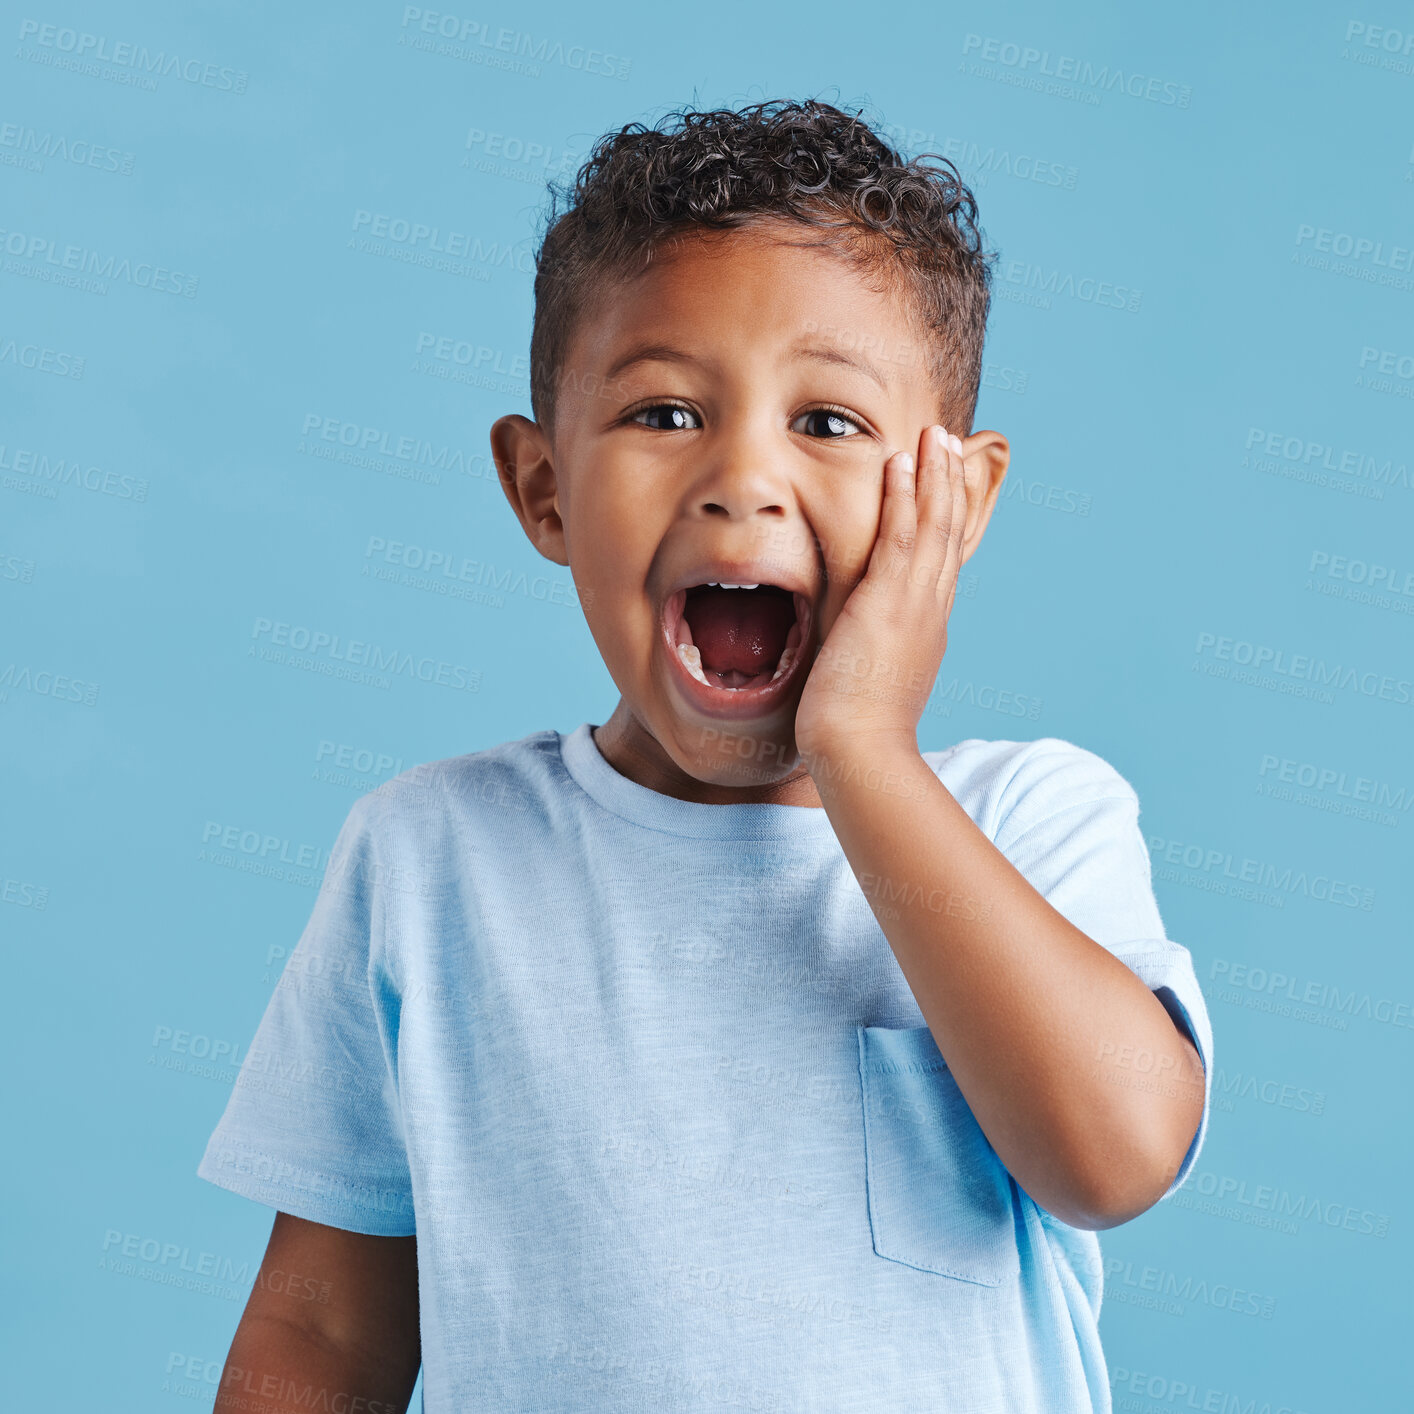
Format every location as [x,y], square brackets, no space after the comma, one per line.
[675,418]
[826,423]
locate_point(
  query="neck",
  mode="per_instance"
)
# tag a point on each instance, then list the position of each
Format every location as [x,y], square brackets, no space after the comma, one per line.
[633,751]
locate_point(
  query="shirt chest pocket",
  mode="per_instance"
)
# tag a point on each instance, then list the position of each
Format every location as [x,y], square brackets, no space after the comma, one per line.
[939,1198]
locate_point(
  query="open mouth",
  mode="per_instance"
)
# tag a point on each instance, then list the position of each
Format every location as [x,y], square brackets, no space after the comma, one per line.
[741,643]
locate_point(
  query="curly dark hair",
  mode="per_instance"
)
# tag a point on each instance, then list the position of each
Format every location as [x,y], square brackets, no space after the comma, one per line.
[806,162]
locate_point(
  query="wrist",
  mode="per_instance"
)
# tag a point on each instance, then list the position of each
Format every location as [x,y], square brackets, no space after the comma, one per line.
[825,754]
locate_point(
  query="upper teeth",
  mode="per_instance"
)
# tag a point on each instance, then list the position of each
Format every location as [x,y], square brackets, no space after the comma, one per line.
[713,583]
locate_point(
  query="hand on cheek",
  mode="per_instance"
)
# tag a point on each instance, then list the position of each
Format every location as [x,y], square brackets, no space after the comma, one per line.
[876,667]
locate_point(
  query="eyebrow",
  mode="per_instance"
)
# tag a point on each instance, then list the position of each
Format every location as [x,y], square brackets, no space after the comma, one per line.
[822,353]
[648,353]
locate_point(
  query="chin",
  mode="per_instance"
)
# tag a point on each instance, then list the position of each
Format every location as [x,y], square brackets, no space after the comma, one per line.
[735,755]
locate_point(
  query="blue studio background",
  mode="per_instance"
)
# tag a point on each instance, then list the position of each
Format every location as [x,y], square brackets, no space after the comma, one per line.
[252,412]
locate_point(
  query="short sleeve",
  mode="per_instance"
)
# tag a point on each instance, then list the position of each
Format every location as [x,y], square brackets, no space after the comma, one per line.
[1069,822]
[313,1125]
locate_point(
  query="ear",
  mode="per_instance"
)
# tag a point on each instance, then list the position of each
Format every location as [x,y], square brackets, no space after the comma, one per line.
[525,463]
[985,457]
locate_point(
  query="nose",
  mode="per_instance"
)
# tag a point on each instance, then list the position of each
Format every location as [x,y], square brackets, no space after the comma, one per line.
[739,482]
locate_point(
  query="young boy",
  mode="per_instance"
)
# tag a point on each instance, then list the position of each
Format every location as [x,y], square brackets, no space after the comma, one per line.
[734,1052]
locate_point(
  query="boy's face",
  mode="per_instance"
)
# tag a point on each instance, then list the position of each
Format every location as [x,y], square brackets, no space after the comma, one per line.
[725,417]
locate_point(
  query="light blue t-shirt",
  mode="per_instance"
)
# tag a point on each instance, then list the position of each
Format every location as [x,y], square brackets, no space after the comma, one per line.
[646,1080]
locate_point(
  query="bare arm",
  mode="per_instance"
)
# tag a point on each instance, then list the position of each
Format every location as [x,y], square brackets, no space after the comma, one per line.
[332,1322]
[1037,1021]
[1053,1041]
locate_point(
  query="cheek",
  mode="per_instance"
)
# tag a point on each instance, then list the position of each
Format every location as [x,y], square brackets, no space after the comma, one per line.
[612,556]
[611,547]
[618,613]
[834,532]
[620,621]
[845,517]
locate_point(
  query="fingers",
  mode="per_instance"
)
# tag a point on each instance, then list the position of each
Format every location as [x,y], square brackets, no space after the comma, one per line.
[934,455]
[941,496]
[923,515]
[898,520]
[957,525]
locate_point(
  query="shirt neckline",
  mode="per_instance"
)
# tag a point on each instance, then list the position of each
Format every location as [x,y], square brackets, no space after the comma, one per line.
[666,813]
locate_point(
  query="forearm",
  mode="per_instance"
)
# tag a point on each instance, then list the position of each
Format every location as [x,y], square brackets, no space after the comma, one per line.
[1044,1029]
[279,1366]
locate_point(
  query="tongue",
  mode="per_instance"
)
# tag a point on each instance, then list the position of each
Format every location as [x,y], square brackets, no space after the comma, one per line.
[741,630]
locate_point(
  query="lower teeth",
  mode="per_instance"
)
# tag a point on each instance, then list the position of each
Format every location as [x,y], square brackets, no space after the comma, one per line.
[690,656]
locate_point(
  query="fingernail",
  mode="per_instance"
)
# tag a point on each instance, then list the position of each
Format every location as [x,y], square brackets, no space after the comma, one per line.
[956,444]
[906,463]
